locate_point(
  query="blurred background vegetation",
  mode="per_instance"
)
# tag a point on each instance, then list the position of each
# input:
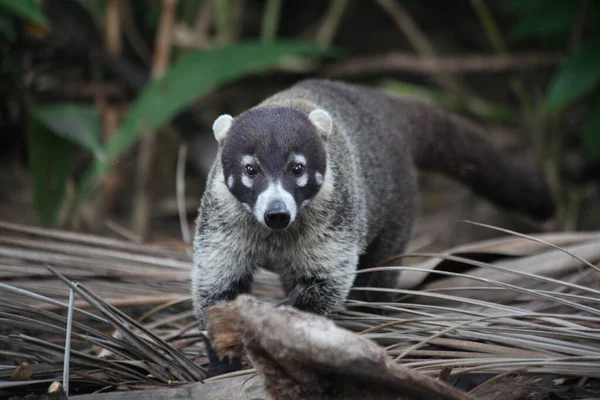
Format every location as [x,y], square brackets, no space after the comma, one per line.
[107,104]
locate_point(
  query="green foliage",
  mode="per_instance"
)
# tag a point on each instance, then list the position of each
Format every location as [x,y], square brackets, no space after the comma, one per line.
[578,76]
[78,123]
[26,9]
[184,82]
[50,162]
[566,21]
[52,134]
[192,77]
[542,18]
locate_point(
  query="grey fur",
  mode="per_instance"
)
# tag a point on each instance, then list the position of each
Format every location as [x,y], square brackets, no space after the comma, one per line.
[363,212]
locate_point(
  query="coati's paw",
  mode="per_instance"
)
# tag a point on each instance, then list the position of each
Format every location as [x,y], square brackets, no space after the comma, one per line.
[224,366]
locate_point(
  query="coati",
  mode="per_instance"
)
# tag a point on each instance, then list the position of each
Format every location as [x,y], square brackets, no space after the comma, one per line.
[319,180]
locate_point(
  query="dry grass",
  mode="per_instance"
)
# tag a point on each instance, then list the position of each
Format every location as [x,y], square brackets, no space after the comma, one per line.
[512,305]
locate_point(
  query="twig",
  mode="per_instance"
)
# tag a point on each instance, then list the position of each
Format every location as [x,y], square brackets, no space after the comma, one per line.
[517,86]
[82,305]
[249,371]
[53,304]
[142,201]
[439,334]
[68,344]
[133,34]
[121,230]
[497,378]
[198,36]
[84,239]
[227,20]
[489,24]
[578,27]
[113,26]
[141,196]
[203,19]
[180,191]
[89,90]
[377,64]
[589,264]
[331,21]
[408,26]
[418,41]
[270,21]
[110,113]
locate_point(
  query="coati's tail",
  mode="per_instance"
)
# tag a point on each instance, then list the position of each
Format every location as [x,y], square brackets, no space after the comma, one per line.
[451,145]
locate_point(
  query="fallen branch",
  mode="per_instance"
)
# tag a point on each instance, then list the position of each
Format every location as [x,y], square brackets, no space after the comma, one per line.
[304,356]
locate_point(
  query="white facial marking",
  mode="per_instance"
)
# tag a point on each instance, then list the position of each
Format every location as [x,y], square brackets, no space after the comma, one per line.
[272,193]
[299,159]
[230,181]
[319,178]
[302,181]
[246,181]
[247,159]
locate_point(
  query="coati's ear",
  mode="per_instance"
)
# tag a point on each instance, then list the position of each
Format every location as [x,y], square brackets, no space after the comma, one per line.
[322,120]
[221,127]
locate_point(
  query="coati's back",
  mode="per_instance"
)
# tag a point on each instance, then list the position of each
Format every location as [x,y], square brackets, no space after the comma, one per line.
[392,134]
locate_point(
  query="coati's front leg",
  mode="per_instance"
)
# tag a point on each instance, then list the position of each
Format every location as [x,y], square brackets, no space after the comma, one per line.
[215,280]
[389,243]
[320,289]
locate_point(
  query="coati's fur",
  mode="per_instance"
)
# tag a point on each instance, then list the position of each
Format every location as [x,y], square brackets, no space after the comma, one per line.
[351,207]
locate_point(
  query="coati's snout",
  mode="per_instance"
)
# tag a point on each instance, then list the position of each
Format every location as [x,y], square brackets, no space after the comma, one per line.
[274,160]
[277,215]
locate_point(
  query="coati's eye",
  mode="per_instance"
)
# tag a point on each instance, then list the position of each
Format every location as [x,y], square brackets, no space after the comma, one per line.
[250,170]
[298,169]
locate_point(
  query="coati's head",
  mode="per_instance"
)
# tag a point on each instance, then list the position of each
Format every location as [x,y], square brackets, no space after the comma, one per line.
[274,160]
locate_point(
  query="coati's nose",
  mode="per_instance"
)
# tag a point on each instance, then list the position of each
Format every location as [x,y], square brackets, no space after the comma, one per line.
[277,216]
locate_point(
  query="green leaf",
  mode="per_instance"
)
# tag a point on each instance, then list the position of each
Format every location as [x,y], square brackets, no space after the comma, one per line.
[192,77]
[542,18]
[50,162]
[77,123]
[186,80]
[578,76]
[27,9]
[591,129]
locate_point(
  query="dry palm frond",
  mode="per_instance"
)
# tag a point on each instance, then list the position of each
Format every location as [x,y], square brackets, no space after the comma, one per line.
[514,305]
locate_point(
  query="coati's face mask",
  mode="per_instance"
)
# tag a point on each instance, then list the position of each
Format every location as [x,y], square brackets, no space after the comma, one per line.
[274,160]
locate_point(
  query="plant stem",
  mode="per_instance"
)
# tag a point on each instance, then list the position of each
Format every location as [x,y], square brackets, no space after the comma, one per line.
[575,199]
[270,21]
[142,205]
[578,28]
[222,10]
[226,12]
[331,21]
[489,25]
[421,43]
